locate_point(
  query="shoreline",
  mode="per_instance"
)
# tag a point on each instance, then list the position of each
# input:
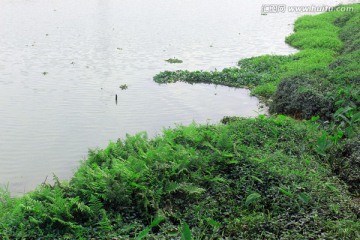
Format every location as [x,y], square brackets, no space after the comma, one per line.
[265,177]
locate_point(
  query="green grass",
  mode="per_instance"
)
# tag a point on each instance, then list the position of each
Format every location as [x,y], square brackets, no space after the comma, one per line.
[317,32]
[309,61]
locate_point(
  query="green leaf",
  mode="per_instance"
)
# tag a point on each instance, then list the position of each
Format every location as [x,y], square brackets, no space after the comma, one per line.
[339,102]
[252,198]
[185,232]
[287,193]
[192,189]
[322,144]
[229,155]
[355,118]
[143,233]
[315,118]
[304,197]
[172,187]
[257,179]
[157,221]
[212,222]
[146,231]
[331,187]
[282,117]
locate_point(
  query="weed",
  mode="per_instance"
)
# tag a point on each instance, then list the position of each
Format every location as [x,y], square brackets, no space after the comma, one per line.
[173,60]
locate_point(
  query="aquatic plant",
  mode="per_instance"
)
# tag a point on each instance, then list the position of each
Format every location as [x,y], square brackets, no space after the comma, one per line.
[123,86]
[173,60]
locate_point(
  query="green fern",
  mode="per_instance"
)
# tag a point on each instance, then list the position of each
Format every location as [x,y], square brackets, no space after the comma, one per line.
[186,232]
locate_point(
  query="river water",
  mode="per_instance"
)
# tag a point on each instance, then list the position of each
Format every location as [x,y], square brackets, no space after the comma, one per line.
[62,62]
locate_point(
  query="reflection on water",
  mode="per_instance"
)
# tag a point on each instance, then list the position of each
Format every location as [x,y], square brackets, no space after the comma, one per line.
[62,62]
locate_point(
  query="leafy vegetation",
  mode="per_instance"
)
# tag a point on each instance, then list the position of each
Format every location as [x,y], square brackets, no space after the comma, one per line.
[123,86]
[327,63]
[261,178]
[257,71]
[173,60]
[251,178]
[322,79]
[330,70]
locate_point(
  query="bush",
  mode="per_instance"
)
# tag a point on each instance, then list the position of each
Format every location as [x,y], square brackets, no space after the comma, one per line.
[346,163]
[304,97]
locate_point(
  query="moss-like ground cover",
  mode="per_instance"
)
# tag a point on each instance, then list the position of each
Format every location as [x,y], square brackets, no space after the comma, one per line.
[261,178]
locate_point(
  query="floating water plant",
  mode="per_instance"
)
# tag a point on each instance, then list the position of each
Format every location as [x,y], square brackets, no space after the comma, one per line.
[173,60]
[123,87]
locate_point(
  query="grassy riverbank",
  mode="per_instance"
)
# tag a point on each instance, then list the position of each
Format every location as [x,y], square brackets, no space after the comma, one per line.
[309,83]
[262,178]
[252,178]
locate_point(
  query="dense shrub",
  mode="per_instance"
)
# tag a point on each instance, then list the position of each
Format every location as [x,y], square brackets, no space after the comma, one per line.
[346,163]
[304,97]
